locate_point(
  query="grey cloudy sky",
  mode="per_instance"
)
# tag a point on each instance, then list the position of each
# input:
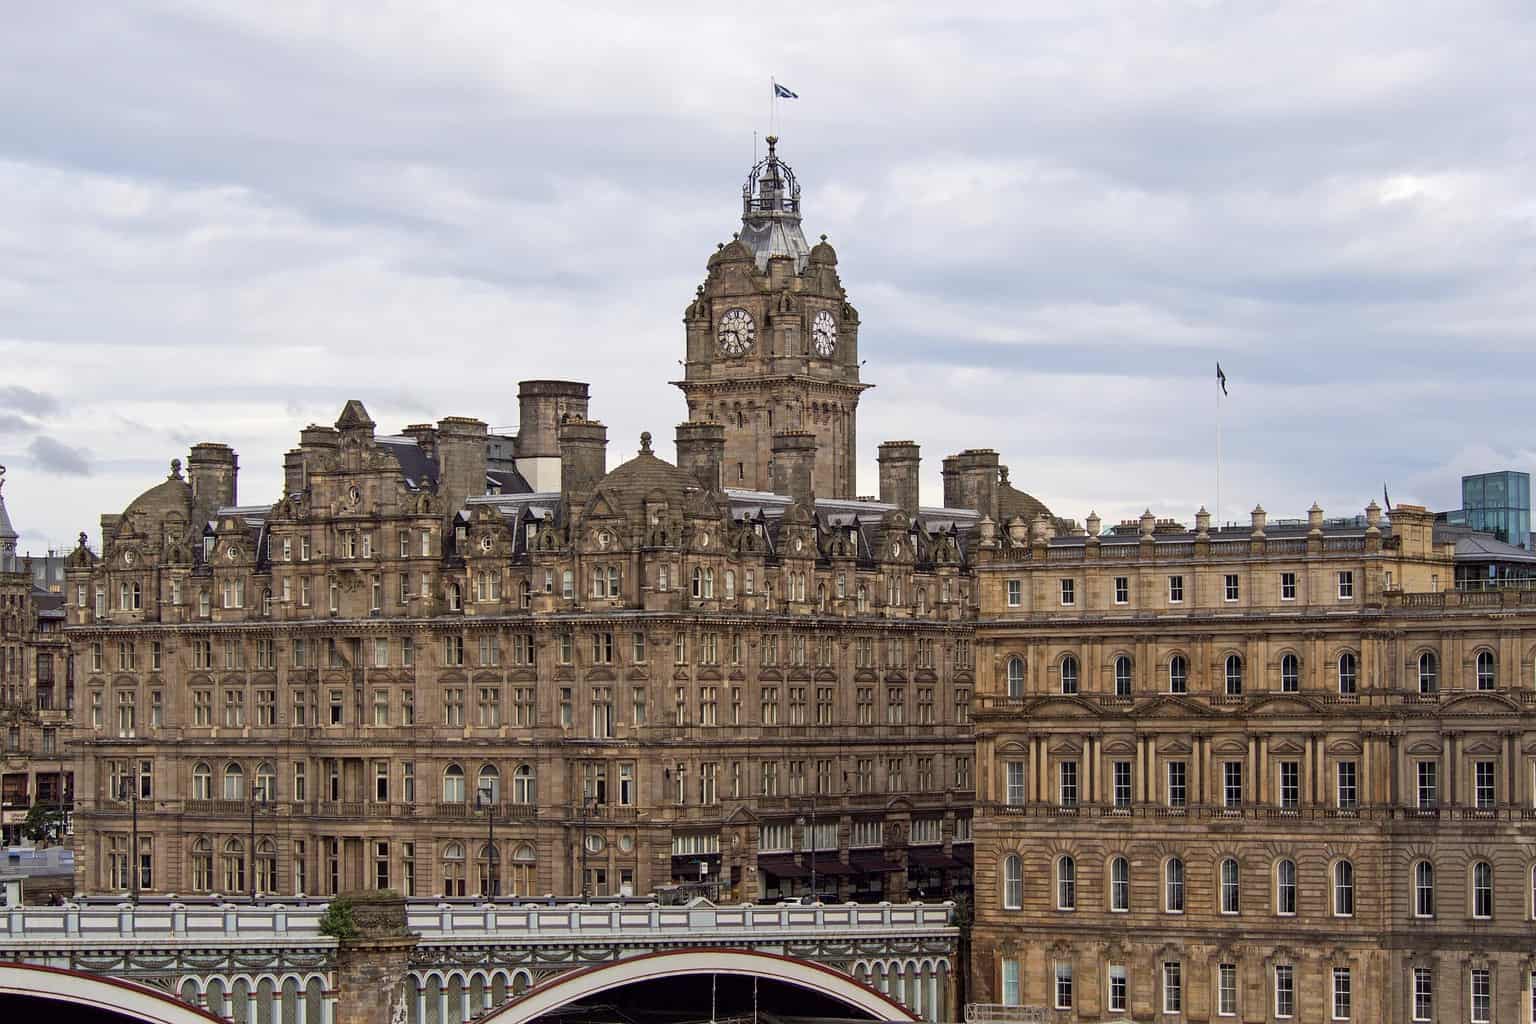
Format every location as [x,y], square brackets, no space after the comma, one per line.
[220,219]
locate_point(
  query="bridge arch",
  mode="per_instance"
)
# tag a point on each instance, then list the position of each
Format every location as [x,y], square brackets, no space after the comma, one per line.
[579,984]
[110,995]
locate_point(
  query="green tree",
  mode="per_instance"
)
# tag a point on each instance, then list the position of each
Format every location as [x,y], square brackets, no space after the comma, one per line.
[44,824]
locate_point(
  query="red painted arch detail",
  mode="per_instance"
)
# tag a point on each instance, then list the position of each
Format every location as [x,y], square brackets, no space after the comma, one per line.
[537,999]
[115,995]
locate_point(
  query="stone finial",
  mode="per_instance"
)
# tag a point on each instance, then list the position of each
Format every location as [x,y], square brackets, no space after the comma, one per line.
[1094,524]
[1259,517]
[82,540]
[1203,522]
[1148,523]
[1315,518]
[987,531]
[175,469]
[1373,514]
[645,441]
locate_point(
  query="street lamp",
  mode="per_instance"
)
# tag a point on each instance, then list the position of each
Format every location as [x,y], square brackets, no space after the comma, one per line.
[258,801]
[812,802]
[127,790]
[485,798]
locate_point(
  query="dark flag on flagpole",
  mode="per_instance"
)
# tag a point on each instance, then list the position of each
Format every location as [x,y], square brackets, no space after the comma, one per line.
[784,93]
[1384,496]
[1221,378]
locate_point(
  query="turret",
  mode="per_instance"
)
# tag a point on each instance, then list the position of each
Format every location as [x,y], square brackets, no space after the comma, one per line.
[701,451]
[213,471]
[794,465]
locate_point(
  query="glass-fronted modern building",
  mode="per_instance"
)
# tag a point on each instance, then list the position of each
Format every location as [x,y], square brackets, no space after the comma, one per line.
[1500,504]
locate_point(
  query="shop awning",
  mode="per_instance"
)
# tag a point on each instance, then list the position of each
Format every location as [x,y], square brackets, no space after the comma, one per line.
[829,866]
[782,865]
[934,857]
[871,862]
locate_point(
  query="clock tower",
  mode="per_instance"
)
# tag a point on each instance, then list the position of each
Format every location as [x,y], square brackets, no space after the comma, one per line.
[773,343]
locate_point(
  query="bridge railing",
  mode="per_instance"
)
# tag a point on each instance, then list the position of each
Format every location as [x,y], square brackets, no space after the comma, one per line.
[173,923]
[572,922]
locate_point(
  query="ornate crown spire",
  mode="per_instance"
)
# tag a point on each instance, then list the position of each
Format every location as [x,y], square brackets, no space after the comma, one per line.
[770,211]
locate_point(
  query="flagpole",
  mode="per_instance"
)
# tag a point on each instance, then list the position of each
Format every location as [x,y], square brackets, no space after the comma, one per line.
[773,101]
[1218,454]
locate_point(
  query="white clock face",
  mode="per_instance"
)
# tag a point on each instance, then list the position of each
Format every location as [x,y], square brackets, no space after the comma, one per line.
[824,334]
[737,332]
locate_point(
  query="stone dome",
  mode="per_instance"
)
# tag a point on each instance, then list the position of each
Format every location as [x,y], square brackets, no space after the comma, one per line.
[171,495]
[628,486]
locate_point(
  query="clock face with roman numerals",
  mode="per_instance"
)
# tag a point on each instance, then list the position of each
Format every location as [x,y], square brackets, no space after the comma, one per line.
[824,334]
[737,332]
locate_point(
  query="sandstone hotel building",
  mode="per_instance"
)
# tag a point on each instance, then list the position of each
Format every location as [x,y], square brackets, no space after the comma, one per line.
[1283,772]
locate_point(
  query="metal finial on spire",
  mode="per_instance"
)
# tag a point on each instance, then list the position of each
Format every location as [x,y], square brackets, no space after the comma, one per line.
[2,478]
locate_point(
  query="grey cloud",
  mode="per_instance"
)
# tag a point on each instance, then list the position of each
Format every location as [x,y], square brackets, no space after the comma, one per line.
[26,400]
[57,457]
[13,424]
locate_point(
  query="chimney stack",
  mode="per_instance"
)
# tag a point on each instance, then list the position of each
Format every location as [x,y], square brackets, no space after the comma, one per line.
[583,456]
[970,481]
[460,460]
[794,466]
[541,406]
[213,470]
[700,451]
[899,461]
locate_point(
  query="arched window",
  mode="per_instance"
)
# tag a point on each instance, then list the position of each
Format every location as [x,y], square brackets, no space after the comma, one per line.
[453,869]
[453,784]
[1285,887]
[709,584]
[613,581]
[1178,674]
[266,601]
[202,865]
[1173,886]
[862,598]
[234,782]
[821,597]
[455,597]
[488,870]
[1013,882]
[698,582]
[1066,884]
[1231,887]
[921,597]
[1015,677]
[488,786]
[232,866]
[730,584]
[1348,672]
[266,782]
[523,785]
[1485,680]
[1343,889]
[266,866]
[1424,889]
[524,865]
[1119,884]
[524,595]
[1123,676]
[1069,674]
[1482,889]
[1290,673]
[202,782]
[1234,675]
[1429,673]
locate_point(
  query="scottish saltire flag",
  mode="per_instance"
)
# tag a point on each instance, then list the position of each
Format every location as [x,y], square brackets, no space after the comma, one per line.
[784,93]
[1221,378]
